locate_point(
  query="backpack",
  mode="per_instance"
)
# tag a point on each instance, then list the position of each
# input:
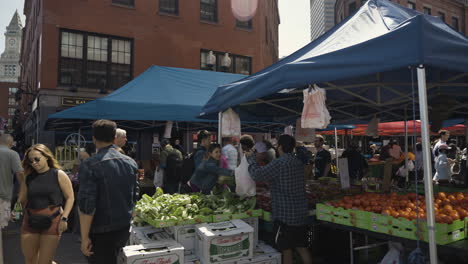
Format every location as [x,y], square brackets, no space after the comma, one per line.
[188,168]
[186,172]
[173,167]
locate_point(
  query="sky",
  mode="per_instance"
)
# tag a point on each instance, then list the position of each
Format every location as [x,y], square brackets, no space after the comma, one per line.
[294,30]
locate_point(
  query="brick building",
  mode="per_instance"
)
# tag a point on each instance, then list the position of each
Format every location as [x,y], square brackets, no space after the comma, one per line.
[452,12]
[74,51]
[9,72]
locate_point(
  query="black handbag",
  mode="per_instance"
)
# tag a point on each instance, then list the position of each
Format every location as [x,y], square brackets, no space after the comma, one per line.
[41,222]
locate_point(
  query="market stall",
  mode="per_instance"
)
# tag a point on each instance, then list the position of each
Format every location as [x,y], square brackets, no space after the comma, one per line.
[370,65]
[398,129]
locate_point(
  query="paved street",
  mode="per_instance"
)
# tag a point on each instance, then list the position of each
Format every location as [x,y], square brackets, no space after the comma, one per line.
[68,251]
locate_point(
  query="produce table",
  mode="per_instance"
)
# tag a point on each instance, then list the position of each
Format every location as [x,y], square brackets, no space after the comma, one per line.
[376,169]
[458,249]
[438,188]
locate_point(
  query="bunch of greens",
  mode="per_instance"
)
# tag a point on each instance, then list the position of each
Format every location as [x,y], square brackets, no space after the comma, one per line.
[187,206]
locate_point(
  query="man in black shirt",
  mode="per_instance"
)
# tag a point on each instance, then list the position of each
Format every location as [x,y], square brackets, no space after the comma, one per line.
[322,159]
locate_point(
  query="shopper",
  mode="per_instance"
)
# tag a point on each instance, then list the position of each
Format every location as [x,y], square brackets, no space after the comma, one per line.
[357,164]
[442,165]
[247,143]
[230,153]
[120,137]
[206,175]
[395,150]
[419,164]
[107,196]
[374,150]
[45,190]
[288,197]
[203,142]
[444,135]
[179,146]
[170,162]
[10,164]
[322,159]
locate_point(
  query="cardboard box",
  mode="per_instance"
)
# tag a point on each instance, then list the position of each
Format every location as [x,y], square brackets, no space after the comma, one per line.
[135,229]
[263,254]
[224,242]
[192,259]
[253,222]
[185,235]
[167,252]
[148,236]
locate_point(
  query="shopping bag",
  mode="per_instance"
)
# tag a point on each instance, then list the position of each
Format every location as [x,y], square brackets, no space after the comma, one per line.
[158,180]
[373,128]
[245,186]
[315,113]
[230,124]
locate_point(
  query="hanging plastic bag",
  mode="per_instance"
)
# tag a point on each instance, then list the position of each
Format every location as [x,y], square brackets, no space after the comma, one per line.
[373,128]
[230,124]
[416,257]
[393,255]
[245,186]
[289,130]
[158,180]
[315,113]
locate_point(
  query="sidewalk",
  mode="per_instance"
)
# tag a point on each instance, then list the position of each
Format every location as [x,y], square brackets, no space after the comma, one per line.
[68,251]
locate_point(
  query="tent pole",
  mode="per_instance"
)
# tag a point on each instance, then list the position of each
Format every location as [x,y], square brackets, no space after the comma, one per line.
[79,144]
[427,163]
[336,151]
[406,145]
[220,117]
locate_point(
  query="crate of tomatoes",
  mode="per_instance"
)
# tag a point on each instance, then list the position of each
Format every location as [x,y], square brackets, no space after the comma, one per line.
[402,215]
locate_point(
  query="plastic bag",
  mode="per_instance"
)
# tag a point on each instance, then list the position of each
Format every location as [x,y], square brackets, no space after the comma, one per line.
[158,180]
[402,171]
[315,113]
[393,255]
[373,128]
[245,186]
[230,124]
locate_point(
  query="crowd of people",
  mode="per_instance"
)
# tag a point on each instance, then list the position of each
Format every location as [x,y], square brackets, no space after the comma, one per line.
[109,187]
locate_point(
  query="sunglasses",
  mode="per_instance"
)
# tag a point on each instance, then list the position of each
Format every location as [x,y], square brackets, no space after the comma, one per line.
[36,159]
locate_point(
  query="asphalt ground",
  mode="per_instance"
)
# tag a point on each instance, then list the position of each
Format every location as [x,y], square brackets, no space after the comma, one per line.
[68,251]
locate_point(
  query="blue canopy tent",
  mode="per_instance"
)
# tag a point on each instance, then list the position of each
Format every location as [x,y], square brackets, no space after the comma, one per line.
[369,65]
[158,94]
[362,63]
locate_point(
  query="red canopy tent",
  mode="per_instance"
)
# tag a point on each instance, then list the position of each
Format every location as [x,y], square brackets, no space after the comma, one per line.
[394,129]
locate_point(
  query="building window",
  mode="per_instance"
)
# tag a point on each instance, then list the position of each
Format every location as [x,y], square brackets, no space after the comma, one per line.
[243,65]
[169,7]
[427,10]
[441,16]
[10,123]
[130,3]
[11,101]
[239,64]
[411,5]
[11,111]
[121,67]
[352,8]
[244,24]
[12,91]
[71,58]
[209,10]
[95,61]
[9,70]
[455,23]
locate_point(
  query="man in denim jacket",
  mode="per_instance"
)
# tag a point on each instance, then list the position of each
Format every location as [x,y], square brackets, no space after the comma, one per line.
[107,196]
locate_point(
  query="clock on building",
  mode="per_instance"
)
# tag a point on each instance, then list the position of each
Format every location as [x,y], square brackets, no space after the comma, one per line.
[12,42]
